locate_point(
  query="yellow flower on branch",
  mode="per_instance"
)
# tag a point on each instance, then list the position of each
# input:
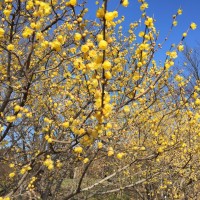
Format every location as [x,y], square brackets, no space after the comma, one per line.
[103,45]
[125,3]
[193,26]
[78,149]
[77,37]
[11,175]
[27,32]
[10,47]
[1,32]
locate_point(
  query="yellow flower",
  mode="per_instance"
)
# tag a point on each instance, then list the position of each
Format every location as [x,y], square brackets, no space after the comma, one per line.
[100,145]
[39,36]
[29,5]
[141,34]
[143,148]
[180,47]
[56,45]
[184,34]
[106,65]
[73,2]
[50,167]
[115,13]
[109,134]
[33,25]
[120,155]
[49,163]
[193,26]
[11,175]
[44,9]
[180,11]
[11,165]
[59,164]
[103,45]
[65,124]
[50,140]
[1,32]
[38,25]
[84,48]
[11,118]
[108,75]
[80,19]
[109,16]
[69,26]
[60,39]
[19,115]
[10,47]
[144,6]
[125,3]
[175,23]
[110,151]
[27,32]
[47,120]
[160,150]
[45,44]
[78,149]
[139,64]
[99,37]
[7,13]
[197,102]
[172,54]
[168,64]
[126,109]
[86,160]
[77,36]
[149,22]
[46,137]
[108,125]
[100,13]
[23,171]
[107,109]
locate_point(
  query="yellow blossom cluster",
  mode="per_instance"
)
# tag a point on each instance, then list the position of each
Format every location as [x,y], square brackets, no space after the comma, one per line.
[27,32]
[49,163]
[4,198]
[31,183]
[78,149]
[25,169]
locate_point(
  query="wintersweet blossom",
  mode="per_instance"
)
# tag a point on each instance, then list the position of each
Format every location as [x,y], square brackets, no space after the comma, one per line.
[27,32]
[193,26]
[106,65]
[77,36]
[10,47]
[1,32]
[103,45]
[125,3]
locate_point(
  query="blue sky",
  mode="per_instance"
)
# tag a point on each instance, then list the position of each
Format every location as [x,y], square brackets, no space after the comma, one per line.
[162,10]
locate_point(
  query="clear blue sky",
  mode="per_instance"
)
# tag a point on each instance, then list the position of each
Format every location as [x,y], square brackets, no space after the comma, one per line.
[162,10]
